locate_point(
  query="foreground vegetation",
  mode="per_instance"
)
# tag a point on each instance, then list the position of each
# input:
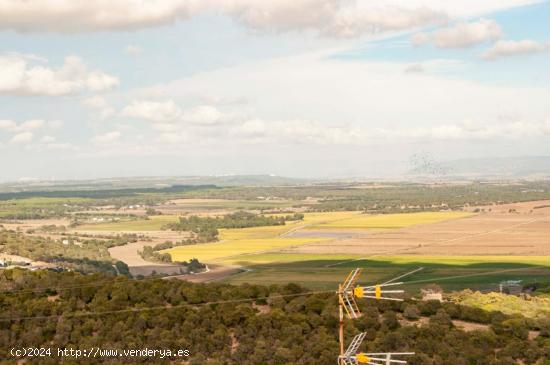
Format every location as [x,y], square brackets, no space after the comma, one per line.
[250,325]
[537,307]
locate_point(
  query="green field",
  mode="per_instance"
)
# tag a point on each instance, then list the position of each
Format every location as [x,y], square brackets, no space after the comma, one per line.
[452,273]
[38,207]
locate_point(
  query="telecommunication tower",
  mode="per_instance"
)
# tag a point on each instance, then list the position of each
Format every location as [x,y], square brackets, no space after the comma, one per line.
[348,291]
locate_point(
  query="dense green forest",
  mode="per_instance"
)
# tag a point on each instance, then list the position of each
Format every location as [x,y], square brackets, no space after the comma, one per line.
[245,325]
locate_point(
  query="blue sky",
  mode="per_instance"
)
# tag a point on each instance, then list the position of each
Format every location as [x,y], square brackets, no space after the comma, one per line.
[324,88]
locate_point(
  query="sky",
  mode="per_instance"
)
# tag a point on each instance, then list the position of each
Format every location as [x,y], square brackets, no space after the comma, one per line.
[300,88]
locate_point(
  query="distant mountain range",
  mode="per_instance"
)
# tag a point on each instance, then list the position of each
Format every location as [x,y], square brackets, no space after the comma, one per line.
[530,167]
[527,167]
[149,182]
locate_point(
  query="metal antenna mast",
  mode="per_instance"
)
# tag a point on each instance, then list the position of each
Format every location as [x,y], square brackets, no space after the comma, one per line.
[352,357]
[347,292]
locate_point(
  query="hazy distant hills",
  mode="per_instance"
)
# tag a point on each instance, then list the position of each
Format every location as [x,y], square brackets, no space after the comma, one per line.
[149,182]
[527,167]
[532,167]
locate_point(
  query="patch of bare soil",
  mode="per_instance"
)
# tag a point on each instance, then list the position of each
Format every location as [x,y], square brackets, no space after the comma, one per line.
[137,265]
[525,231]
[26,224]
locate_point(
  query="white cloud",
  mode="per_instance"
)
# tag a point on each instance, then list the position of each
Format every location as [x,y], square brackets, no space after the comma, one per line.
[47,139]
[353,23]
[329,17]
[308,132]
[91,15]
[336,18]
[461,35]
[19,75]
[99,104]
[321,98]
[25,133]
[173,138]
[57,146]
[470,130]
[22,138]
[55,124]
[133,50]
[7,125]
[513,48]
[332,17]
[435,65]
[31,125]
[466,8]
[415,68]
[96,102]
[155,111]
[26,126]
[203,114]
[168,116]
[107,138]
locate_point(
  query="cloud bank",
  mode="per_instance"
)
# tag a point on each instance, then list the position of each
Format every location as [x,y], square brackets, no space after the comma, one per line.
[338,18]
[514,48]
[20,75]
[461,35]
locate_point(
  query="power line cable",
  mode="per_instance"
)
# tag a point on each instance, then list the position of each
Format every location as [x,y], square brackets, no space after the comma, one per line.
[133,310]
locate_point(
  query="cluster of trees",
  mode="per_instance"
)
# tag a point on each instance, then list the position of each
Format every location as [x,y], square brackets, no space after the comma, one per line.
[538,287]
[205,229]
[88,257]
[150,254]
[249,325]
[152,211]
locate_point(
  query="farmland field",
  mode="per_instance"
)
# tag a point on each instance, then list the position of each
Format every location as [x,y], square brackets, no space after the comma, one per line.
[459,249]
[390,221]
[154,223]
[451,272]
[235,242]
[473,247]
[508,230]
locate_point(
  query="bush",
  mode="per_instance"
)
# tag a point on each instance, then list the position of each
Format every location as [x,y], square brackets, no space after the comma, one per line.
[411,312]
